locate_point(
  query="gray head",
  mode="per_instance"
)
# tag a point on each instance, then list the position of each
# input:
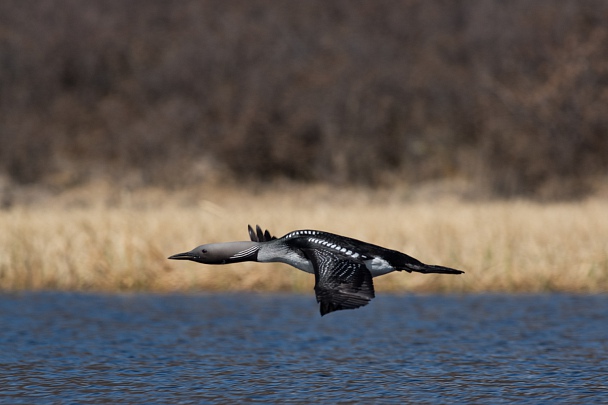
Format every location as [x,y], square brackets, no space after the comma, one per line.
[221,253]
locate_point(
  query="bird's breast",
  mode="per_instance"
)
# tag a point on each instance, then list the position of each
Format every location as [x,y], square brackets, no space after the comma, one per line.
[287,256]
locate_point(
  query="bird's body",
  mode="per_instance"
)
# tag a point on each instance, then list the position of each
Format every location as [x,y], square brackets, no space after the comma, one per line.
[343,267]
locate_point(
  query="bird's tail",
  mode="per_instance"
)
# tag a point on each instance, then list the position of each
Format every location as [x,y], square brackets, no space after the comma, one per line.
[431,268]
[401,261]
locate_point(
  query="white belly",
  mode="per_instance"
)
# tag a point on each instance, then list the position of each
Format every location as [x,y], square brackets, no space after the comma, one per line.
[378,266]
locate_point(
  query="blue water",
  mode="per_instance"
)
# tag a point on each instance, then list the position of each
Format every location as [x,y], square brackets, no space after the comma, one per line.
[245,348]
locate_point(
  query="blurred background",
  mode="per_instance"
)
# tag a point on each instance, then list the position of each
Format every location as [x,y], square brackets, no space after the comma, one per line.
[509,98]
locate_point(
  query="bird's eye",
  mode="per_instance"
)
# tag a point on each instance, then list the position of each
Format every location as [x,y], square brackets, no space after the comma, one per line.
[204,251]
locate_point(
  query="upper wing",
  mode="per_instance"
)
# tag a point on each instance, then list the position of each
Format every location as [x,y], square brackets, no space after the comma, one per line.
[340,282]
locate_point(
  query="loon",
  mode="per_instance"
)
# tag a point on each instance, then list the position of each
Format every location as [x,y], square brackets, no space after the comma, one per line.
[343,267]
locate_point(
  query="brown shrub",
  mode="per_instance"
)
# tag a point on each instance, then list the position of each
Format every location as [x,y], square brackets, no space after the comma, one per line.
[510,95]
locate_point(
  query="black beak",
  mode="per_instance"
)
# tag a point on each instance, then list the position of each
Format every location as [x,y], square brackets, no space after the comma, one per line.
[184,256]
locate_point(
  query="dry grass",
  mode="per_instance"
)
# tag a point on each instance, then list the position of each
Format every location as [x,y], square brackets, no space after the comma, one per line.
[122,241]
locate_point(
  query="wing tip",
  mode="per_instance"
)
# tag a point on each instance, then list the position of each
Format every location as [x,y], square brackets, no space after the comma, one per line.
[326,307]
[258,235]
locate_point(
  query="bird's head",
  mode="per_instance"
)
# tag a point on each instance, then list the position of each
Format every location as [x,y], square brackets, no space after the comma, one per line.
[221,253]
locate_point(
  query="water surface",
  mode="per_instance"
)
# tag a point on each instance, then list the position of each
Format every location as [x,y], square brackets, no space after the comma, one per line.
[227,348]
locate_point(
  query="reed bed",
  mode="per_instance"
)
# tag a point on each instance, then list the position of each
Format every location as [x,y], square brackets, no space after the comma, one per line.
[121,241]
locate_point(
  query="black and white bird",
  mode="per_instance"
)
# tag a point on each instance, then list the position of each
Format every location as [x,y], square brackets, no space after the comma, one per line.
[343,267]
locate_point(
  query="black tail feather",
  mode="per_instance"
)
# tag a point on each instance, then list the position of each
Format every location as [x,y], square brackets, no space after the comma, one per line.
[431,268]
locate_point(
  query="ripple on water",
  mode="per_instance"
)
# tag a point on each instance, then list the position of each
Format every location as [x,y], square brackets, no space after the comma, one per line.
[143,348]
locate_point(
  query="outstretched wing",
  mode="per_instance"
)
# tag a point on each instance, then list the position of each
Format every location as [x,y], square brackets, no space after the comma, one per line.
[340,282]
[258,235]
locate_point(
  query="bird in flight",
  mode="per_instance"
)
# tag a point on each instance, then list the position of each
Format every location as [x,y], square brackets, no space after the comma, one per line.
[343,267]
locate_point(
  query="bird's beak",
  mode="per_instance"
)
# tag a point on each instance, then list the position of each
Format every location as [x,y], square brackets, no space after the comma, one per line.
[184,256]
